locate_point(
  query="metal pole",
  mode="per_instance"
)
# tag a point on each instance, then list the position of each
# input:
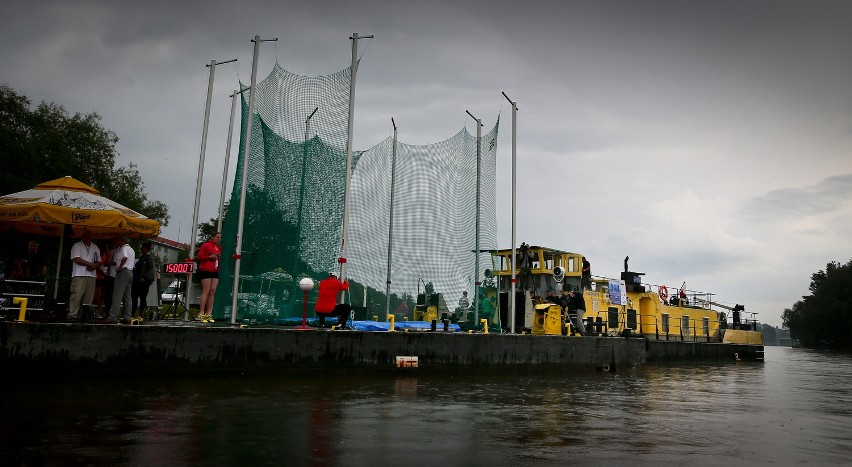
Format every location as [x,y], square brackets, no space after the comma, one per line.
[354,68]
[296,257]
[227,162]
[246,148]
[512,261]
[390,223]
[59,263]
[478,164]
[212,66]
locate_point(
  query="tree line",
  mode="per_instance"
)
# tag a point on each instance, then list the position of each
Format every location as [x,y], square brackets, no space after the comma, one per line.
[45,142]
[823,319]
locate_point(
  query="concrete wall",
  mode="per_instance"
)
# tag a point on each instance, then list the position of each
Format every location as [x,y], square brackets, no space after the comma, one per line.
[69,346]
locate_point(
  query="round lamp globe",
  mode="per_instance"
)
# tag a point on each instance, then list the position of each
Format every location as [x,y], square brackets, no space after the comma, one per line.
[306,284]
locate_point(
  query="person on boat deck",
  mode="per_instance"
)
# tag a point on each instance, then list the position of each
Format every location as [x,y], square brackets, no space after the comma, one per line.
[525,260]
[586,277]
[577,307]
[464,303]
[553,298]
[327,305]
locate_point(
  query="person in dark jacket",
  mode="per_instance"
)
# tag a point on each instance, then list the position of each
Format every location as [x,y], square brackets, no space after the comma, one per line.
[577,307]
[144,274]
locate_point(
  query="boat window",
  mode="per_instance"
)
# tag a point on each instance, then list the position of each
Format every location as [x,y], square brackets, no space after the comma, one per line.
[572,266]
[548,259]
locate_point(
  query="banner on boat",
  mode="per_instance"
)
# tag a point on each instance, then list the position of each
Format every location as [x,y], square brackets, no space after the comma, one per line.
[618,292]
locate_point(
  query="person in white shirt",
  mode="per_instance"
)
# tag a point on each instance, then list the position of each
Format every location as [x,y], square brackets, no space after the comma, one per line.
[123,259]
[85,257]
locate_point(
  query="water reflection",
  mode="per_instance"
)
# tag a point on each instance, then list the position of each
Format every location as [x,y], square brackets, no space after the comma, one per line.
[793,408]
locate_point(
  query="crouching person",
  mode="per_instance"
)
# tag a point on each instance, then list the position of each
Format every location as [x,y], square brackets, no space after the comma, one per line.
[327,305]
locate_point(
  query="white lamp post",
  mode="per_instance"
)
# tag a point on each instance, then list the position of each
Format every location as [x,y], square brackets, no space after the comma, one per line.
[306,285]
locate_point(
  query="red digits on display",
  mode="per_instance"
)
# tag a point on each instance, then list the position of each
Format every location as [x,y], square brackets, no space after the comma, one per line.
[178,268]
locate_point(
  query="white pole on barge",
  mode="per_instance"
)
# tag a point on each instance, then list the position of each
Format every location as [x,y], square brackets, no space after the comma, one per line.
[514,180]
[244,180]
[192,240]
[227,162]
[390,223]
[476,274]
[347,194]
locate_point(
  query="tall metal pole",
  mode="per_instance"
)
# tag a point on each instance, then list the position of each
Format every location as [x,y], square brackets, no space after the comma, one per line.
[478,164]
[296,255]
[244,180]
[227,162]
[512,261]
[344,236]
[390,223]
[212,66]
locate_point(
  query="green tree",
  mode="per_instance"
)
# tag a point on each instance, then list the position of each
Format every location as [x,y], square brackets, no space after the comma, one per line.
[41,144]
[823,319]
[769,334]
[207,229]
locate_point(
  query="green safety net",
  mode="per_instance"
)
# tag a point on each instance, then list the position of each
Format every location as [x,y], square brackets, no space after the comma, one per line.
[293,217]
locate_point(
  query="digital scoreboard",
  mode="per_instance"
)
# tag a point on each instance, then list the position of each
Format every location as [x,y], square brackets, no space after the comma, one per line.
[178,268]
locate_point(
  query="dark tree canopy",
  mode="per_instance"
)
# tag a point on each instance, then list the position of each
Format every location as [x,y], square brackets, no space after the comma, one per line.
[41,144]
[824,318]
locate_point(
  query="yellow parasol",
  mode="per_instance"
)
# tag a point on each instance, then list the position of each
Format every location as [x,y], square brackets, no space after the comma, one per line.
[45,209]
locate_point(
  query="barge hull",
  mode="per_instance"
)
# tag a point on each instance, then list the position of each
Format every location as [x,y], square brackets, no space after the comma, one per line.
[158,347]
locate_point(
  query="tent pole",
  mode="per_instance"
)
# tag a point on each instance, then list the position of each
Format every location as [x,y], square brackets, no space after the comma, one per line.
[58,264]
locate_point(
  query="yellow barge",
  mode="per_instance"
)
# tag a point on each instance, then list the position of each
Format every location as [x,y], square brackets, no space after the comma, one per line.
[613,307]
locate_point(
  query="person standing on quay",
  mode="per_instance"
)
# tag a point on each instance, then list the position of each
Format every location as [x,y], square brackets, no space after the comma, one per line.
[208,259]
[107,278]
[123,258]
[144,274]
[34,268]
[85,257]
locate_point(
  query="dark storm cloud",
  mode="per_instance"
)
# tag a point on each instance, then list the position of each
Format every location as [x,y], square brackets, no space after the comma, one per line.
[787,203]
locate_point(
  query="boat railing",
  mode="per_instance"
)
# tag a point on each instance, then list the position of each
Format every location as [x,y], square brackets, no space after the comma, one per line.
[682,328]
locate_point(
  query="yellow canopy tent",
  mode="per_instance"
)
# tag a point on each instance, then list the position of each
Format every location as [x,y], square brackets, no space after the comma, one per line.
[50,206]
[45,209]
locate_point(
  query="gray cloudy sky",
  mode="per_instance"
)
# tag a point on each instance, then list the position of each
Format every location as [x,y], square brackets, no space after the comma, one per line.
[708,140]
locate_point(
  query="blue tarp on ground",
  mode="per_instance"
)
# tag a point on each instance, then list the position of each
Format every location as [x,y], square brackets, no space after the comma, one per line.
[371,325]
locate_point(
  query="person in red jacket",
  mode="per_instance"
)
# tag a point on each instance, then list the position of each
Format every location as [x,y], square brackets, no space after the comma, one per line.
[327,304]
[208,273]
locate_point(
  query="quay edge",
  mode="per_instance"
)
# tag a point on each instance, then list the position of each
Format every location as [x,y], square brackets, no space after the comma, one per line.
[67,346]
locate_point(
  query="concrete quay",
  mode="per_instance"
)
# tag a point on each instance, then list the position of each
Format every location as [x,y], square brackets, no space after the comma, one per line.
[180,346]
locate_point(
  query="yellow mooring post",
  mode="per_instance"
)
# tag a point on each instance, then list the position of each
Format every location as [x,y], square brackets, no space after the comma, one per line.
[485,326]
[391,320]
[22,316]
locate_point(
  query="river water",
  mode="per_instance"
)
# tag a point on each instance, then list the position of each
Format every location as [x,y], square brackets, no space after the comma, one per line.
[794,408]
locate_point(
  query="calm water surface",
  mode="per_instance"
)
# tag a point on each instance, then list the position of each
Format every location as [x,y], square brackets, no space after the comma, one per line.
[795,408]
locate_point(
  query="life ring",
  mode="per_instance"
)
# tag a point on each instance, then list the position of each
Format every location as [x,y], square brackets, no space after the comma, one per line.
[605,367]
[664,293]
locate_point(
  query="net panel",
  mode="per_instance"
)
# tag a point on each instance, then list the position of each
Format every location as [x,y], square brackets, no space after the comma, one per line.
[295,196]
